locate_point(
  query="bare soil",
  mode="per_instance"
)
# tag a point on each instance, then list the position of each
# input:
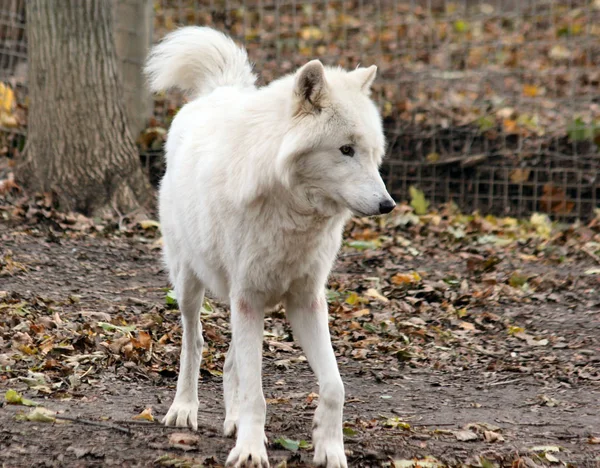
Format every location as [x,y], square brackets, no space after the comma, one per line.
[522,401]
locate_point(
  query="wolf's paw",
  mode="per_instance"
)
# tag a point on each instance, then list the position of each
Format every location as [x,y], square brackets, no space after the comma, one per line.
[182,414]
[230,429]
[329,449]
[331,456]
[248,454]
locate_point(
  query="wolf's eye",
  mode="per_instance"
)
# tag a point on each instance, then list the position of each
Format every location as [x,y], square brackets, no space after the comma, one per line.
[347,150]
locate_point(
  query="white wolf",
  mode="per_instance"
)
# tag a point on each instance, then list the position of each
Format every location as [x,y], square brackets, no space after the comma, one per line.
[259,184]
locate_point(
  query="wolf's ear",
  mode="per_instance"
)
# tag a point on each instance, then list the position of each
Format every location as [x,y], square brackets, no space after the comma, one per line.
[310,88]
[365,77]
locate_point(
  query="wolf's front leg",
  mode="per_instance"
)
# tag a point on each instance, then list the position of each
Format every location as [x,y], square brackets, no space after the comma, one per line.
[311,328]
[247,323]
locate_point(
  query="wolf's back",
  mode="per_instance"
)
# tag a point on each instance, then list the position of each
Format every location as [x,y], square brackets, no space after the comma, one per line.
[198,60]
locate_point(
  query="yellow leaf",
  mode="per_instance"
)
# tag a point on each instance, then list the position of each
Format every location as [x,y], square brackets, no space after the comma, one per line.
[461,26]
[12,397]
[530,90]
[432,157]
[149,223]
[311,33]
[418,201]
[7,99]
[145,415]
[542,224]
[352,299]
[376,295]
[513,330]
[8,121]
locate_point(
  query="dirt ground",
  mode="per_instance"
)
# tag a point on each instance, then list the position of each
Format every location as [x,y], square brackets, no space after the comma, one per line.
[453,353]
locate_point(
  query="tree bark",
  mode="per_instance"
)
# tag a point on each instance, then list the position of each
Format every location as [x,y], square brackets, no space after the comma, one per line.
[133,38]
[79,145]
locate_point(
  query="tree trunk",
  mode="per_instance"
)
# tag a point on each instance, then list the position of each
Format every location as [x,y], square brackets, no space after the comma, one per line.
[79,145]
[133,38]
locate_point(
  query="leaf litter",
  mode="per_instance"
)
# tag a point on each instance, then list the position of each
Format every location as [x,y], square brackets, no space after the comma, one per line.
[446,295]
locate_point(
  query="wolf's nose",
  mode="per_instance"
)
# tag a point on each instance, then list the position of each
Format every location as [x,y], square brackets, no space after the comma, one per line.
[386,206]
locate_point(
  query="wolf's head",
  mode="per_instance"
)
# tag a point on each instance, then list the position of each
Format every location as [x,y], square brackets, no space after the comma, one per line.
[334,146]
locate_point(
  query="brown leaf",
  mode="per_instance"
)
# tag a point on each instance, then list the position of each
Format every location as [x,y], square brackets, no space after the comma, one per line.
[183,440]
[518,176]
[554,200]
[144,341]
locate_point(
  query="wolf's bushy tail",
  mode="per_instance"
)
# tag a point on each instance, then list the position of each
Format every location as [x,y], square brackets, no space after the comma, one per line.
[198,60]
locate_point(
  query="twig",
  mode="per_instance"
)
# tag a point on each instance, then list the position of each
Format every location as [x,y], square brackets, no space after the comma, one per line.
[503,382]
[592,255]
[431,424]
[95,423]
[156,425]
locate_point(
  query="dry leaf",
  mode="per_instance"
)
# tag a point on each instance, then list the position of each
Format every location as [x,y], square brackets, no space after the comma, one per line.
[371,292]
[465,436]
[183,440]
[145,415]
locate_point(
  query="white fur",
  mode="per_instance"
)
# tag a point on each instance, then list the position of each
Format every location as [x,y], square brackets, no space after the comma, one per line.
[252,208]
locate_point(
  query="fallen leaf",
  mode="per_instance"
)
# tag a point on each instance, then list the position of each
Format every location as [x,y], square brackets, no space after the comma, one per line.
[465,436]
[396,423]
[518,176]
[531,90]
[428,462]
[418,201]
[371,292]
[554,200]
[145,415]
[491,436]
[143,341]
[12,397]
[542,224]
[406,278]
[183,440]
[291,445]
[39,414]
[149,223]
[545,448]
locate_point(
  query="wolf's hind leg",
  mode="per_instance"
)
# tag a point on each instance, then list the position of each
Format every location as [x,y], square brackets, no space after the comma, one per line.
[247,324]
[190,294]
[230,390]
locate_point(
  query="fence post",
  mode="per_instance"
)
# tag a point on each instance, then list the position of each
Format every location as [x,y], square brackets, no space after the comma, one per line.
[133,38]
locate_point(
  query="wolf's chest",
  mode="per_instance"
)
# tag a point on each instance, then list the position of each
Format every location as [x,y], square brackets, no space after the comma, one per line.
[280,263]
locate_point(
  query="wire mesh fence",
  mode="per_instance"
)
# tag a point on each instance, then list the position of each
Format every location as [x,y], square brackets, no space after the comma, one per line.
[492,104]
[13,76]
